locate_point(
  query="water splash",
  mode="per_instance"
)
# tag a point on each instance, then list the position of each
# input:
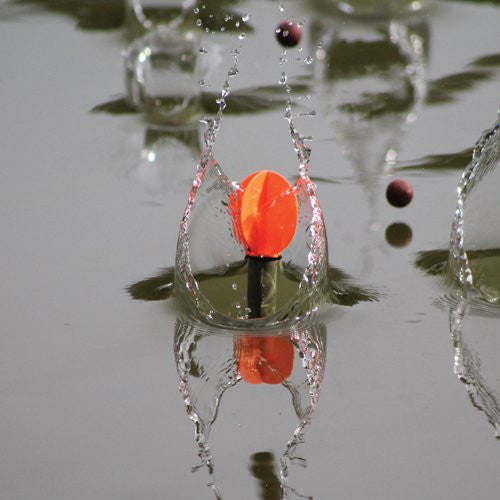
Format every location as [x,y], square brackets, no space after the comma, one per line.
[470,273]
[312,353]
[201,405]
[464,264]
[148,13]
[209,243]
[208,363]
[161,74]
[485,158]
[467,368]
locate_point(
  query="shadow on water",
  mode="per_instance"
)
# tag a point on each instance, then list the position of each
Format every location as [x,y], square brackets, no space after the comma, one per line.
[445,89]
[88,14]
[254,100]
[344,291]
[437,163]
[100,15]
[492,2]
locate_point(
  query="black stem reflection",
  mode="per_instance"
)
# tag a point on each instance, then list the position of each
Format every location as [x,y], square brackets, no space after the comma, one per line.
[264,470]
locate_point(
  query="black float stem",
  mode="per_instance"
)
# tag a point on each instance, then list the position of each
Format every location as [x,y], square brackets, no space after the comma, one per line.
[262,286]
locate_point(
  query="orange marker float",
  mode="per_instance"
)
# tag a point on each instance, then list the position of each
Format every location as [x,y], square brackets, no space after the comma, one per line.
[266,214]
[265,218]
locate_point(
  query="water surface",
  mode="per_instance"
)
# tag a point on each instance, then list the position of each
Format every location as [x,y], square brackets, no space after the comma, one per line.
[91,406]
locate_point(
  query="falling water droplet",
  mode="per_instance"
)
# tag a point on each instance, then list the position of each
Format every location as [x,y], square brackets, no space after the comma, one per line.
[201,83]
[198,22]
[245,18]
[237,24]
[308,60]
[283,78]
[196,10]
[203,50]
[242,36]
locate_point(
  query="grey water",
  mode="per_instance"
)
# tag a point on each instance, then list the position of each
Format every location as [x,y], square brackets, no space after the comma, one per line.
[93,189]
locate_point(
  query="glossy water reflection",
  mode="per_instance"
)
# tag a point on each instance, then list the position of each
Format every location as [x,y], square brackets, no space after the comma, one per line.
[92,201]
[212,361]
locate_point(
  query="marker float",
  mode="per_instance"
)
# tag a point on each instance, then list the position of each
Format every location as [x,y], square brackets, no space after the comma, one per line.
[266,218]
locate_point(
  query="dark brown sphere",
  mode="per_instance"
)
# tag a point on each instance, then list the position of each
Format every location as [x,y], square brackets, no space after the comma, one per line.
[288,34]
[398,235]
[399,193]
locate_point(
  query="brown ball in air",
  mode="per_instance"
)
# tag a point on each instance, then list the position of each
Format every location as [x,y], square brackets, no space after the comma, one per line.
[288,34]
[399,193]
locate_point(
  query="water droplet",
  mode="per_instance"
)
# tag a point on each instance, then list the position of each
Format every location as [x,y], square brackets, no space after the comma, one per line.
[203,50]
[233,71]
[283,78]
[201,83]
[280,7]
[196,10]
[242,36]
[198,22]
[245,18]
[308,60]
[234,286]
[222,28]
[237,24]
[320,54]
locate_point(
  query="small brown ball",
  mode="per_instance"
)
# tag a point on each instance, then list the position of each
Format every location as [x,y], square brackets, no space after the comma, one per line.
[399,193]
[288,34]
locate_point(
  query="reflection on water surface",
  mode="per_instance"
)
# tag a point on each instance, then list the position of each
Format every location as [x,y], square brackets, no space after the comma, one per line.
[213,361]
[92,202]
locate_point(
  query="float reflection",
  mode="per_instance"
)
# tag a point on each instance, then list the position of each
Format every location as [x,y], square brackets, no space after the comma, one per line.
[210,361]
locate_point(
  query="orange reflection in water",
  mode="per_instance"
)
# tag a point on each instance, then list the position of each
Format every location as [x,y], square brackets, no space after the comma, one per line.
[267,360]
